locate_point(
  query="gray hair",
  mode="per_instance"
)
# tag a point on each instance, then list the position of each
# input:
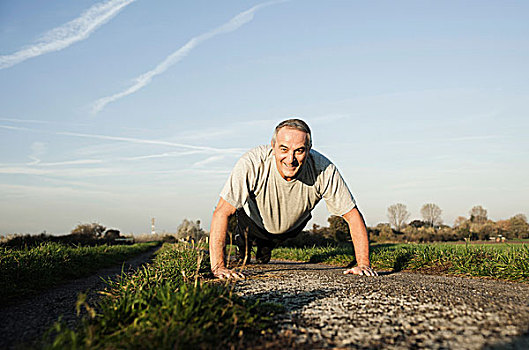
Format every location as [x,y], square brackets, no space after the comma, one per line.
[297,124]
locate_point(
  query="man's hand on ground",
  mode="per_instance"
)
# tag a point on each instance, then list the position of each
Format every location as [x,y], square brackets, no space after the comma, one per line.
[224,273]
[362,270]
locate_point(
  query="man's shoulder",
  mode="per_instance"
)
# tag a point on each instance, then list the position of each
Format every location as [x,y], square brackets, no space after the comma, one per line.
[258,155]
[320,161]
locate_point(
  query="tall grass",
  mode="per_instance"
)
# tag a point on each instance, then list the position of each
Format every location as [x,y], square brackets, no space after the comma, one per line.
[509,262]
[26,271]
[165,305]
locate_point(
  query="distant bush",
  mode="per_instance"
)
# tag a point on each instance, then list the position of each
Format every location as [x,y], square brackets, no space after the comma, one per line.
[190,231]
[308,239]
[92,230]
[81,235]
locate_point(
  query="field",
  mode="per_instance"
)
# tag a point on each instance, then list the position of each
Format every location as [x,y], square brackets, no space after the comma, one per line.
[499,261]
[27,271]
[166,305]
[174,302]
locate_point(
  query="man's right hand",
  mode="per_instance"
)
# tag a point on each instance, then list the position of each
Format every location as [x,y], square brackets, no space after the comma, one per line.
[224,273]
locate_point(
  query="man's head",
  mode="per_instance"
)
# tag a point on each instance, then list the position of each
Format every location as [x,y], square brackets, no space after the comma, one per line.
[291,143]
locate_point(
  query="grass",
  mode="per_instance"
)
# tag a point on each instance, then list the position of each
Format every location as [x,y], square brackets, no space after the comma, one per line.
[499,261]
[166,305]
[27,271]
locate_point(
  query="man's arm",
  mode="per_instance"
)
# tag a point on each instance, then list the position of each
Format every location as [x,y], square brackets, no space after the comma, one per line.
[217,240]
[358,230]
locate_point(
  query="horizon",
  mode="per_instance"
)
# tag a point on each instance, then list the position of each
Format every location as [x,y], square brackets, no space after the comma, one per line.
[118,111]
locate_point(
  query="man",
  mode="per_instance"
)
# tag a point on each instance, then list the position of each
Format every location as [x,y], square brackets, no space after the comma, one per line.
[272,190]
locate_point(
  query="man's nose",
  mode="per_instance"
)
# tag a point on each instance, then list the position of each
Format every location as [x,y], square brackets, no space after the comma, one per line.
[290,157]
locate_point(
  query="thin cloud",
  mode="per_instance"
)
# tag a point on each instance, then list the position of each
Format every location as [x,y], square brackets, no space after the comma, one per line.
[208,160]
[204,149]
[153,142]
[38,149]
[69,33]
[72,162]
[45,122]
[24,120]
[144,79]
[12,127]
[68,173]
[48,191]
[163,155]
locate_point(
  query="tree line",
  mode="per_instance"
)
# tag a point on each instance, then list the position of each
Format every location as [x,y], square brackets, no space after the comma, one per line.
[477,226]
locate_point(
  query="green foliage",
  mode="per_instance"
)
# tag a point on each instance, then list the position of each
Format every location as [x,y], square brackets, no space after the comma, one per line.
[338,228]
[310,239]
[510,262]
[518,227]
[165,305]
[26,271]
[75,239]
[478,214]
[89,230]
[190,231]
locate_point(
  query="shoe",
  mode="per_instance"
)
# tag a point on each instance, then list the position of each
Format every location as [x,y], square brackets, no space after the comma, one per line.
[264,254]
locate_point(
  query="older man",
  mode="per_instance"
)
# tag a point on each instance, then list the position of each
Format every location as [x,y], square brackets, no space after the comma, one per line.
[272,190]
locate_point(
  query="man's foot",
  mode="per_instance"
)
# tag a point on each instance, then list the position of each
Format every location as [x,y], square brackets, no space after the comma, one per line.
[264,254]
[244,248]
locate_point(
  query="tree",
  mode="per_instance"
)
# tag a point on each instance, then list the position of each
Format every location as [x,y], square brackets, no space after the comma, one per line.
[478,214]
[431,213]
[111,234]
[89,230]
[519,228]
[191,230]
[417,223]
[398,215]
[338,228]
[460,220]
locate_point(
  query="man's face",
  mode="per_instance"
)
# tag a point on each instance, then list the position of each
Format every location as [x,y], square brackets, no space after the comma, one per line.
[290,151]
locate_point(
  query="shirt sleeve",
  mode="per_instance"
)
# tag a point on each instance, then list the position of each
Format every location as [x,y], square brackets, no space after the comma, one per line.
[237,189]
[336,194]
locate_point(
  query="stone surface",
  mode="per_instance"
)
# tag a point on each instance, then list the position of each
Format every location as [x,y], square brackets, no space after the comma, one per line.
[326,309]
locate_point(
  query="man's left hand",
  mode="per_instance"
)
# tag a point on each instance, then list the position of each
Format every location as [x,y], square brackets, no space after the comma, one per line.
[362,270]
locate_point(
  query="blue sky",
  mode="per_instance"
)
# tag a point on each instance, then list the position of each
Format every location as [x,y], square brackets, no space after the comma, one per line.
[118,111]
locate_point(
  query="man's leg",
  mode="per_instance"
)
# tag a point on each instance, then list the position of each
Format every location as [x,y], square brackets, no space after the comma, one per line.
[265,246]
[243,239]
[264,251]
[244,246]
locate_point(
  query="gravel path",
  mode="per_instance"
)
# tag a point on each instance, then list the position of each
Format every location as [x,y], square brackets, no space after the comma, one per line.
[30,318]
[327,309]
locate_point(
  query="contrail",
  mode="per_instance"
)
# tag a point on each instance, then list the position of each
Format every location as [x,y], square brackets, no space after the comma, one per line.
[69,33]
[144,79]
[201,149]
[153,142]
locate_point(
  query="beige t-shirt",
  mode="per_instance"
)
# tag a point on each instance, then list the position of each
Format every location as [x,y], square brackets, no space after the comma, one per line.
[278,205]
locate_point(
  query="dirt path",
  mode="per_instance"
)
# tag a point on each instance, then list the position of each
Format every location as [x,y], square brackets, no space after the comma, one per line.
[30,318]
[393,311]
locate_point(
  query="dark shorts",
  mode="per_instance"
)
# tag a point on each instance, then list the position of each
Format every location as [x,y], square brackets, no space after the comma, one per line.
[260,235]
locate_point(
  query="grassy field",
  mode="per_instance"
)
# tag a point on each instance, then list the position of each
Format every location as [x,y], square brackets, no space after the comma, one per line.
[166,305]
[173,302]
[26,271]
[499,261]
